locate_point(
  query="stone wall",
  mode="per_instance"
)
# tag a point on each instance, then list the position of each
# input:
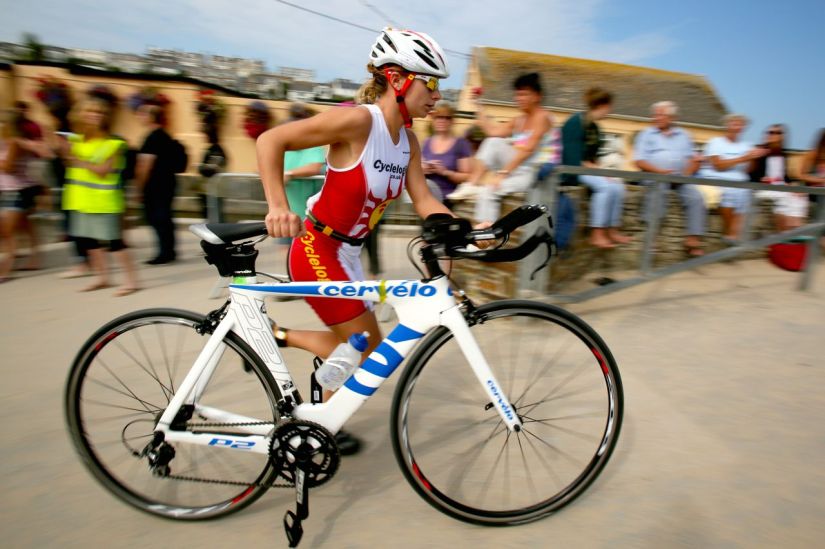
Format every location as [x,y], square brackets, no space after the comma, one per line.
[581,261]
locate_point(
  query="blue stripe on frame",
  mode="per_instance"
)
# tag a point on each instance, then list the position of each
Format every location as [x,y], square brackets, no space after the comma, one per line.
[353,385]
[403,333]
[304,290]
[391,355]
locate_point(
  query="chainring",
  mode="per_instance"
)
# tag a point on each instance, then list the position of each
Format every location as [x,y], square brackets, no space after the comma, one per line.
[295,441]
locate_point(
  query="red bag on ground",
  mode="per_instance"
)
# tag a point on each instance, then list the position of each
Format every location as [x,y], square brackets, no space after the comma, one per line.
[788,255]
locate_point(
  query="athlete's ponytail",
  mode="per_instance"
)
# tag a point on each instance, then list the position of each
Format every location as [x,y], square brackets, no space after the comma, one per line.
[373,88]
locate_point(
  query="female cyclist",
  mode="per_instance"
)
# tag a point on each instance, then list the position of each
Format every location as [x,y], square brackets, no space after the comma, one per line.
[373,156]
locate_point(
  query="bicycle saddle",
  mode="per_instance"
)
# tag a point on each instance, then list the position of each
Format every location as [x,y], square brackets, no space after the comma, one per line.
[227,233]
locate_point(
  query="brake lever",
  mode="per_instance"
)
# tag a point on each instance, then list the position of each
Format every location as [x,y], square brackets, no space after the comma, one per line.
[549,241]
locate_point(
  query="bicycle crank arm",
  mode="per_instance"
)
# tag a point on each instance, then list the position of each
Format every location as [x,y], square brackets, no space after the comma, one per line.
[292,521]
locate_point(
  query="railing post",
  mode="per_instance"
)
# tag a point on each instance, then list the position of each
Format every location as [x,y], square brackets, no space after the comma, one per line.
[213,199]
[651,215]
[542,192]
[812,251]
[745,234]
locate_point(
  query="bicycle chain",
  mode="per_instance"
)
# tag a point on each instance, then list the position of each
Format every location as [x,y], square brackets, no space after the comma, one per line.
[229,482]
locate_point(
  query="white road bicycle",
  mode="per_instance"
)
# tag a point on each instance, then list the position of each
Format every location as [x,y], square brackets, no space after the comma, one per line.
[504,413]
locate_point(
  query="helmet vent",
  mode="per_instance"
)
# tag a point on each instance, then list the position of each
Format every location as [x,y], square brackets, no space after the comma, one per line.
[427,60]
[424,46]
[388,41]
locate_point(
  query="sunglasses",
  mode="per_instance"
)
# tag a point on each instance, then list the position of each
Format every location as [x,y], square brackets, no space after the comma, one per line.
[430,81]
[775,132]
[443,117]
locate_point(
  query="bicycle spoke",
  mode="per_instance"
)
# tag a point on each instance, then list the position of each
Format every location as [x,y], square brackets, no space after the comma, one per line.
[153,374]
[551,446]
[133,395]
[487,481]
[170,389]
[549,468]
[109,405]
[575,372]
[530,482]
[577,434]
[583,415]
[118,391]
[165,356]
[549,364]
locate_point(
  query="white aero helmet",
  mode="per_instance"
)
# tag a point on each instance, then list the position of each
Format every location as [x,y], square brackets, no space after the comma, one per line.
[415,51]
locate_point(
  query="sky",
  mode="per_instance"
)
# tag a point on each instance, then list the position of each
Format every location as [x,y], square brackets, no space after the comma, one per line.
[761,58]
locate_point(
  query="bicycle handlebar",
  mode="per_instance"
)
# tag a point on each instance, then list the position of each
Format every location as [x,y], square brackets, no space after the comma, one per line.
[449,237]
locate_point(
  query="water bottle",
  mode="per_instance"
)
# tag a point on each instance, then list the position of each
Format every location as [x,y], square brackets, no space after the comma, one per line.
[343,360]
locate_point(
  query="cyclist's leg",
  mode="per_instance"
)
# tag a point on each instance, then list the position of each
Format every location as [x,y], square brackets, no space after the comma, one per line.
[316,257]
[317,342]
[322,342]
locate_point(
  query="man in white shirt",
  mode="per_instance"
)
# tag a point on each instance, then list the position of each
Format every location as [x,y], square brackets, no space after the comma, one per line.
[665,148]
[729,158]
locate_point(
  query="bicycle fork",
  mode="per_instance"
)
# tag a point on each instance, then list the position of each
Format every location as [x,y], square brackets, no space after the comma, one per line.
[454,320]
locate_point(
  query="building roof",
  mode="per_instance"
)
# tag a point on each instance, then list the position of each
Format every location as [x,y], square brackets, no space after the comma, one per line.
[564,80]
[84,70]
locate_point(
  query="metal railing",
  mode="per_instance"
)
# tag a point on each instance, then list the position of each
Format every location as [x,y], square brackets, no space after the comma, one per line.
[547,191]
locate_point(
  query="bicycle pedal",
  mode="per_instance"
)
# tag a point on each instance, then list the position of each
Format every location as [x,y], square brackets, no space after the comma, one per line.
[292,527]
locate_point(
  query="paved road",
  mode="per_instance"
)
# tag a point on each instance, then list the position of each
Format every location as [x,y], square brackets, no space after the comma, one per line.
[722,442]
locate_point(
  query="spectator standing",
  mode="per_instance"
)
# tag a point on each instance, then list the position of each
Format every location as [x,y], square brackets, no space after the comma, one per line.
[26,127]
[581,141]
[17,192]
[665,148]
[790,209]
[27,171]
[728,157]
[512,152]
[155,179]
[214,159]
[444,157]
[93,193]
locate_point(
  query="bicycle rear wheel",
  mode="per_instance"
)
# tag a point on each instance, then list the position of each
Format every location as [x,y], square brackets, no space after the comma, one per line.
[450,441]
[119,385]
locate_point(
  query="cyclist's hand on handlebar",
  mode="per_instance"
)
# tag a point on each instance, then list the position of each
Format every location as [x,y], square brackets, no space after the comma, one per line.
[281,223]
[483,243]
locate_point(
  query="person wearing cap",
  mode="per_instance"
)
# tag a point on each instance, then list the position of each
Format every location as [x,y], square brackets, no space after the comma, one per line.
[373,156]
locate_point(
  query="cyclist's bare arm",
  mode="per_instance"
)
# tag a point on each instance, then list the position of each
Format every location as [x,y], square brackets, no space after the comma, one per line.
[346,130]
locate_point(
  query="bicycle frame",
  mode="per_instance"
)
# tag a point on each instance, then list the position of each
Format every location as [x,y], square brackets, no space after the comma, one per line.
[420,306]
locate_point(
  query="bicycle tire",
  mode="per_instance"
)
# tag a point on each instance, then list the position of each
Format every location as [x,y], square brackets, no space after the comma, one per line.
[117,364]
[430,422]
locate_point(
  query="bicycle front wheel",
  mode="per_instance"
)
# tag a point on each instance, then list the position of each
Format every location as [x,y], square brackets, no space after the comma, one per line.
[121,382]
[455,450]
